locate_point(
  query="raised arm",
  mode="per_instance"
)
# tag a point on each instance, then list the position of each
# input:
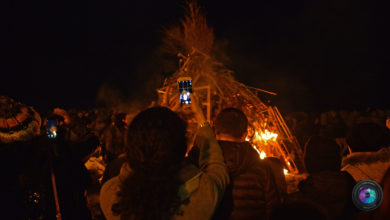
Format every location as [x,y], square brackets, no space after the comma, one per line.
[211,160]
[214,177]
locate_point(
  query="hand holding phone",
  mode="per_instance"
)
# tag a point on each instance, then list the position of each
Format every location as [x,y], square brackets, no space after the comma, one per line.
[185,90]
[51,128]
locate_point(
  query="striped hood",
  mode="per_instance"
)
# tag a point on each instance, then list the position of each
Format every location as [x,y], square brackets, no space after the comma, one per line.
[18,122]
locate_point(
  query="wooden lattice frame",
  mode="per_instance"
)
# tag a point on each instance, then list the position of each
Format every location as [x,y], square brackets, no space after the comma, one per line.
[224,91]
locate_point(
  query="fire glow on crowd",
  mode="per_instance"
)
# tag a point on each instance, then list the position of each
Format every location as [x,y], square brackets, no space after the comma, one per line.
[195,52]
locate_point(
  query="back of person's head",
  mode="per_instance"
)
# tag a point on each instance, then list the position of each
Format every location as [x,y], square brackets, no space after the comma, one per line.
[368,137]
[156,144]
[322,154]
[18,122]
[298,210]
[231,121]
[156,135]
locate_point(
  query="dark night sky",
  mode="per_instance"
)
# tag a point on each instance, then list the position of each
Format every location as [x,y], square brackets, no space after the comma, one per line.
[318,55]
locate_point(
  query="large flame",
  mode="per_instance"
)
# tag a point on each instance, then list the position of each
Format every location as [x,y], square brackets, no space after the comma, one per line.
[262,138]
[266,136]
[266,140]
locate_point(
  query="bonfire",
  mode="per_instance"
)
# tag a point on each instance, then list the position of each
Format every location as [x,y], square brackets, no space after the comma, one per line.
[192,40]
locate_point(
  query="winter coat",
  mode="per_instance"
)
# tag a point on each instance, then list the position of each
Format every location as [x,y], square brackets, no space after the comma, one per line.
[252,193]
[12,165]
[332,190]
[201,191]
[367,165]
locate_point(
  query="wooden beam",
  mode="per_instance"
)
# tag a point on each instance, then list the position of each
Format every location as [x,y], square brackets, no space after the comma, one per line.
[262,90]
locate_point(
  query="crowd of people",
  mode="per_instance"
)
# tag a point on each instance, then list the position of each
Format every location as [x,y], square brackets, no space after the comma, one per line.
[332,124]
[151,174]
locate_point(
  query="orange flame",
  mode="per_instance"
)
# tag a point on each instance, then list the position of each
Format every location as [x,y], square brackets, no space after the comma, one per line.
[262,138]
[262,154]
[265,136]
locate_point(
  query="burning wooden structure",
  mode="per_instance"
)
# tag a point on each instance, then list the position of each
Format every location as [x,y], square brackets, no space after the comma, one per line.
[214,84]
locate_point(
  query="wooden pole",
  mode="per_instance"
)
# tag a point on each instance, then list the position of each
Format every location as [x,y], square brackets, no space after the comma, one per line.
[208,104]
[55,193]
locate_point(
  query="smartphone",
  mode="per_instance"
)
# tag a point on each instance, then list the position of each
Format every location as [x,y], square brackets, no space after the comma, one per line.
[51,127]
[185,90]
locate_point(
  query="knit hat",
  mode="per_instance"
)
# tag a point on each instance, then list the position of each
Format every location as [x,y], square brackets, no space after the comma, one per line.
[18,122]
[322,154]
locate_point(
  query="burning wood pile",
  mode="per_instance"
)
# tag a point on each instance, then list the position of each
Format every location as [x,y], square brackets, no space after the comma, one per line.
[215,86]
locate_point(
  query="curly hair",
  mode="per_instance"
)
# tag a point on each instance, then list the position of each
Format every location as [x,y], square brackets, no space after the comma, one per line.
[156,145]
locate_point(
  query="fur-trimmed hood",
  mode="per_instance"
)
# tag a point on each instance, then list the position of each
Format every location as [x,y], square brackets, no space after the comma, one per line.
[367,165]
[383,155]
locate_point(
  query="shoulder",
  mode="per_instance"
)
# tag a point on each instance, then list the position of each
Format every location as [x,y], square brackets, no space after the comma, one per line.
[257,168]
[110,188]
[253,160]
[108,196]
[383,155]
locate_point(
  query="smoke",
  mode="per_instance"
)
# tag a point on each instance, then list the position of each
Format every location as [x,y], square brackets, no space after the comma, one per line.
[118,101]
[108,96]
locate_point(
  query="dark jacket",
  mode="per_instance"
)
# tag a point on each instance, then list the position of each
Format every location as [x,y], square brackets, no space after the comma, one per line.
[332,190]
[31,193]
[113,168]
[252,193]
[12,164]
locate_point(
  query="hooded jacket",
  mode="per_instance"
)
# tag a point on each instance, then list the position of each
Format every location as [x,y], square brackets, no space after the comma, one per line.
[326,185]
[367,165]
[332,190]
[252,192]
[202,188]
